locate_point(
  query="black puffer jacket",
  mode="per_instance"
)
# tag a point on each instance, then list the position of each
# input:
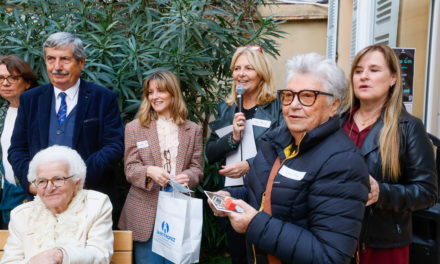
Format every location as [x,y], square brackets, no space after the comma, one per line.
[318,197]
[388,223]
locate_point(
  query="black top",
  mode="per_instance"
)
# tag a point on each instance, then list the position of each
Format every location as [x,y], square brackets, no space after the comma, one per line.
[249,113]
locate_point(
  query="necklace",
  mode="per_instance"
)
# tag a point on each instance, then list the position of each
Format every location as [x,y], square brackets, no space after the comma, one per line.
[365,122]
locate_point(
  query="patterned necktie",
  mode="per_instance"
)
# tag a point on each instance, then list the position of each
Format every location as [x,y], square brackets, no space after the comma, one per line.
[61,115]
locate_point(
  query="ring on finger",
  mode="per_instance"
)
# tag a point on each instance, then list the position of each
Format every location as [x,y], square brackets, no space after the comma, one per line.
[238,123]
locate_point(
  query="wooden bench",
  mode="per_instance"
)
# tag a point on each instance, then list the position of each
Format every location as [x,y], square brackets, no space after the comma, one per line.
[122,247]
[3,237]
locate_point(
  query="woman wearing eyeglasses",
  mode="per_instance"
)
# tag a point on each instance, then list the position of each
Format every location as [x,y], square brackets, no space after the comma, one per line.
[16,76]
[64,223]
[304,196]
[398,153]
[251,70]
[159,144]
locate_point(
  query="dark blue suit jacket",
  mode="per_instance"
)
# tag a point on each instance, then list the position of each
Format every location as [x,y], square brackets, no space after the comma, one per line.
[98,135]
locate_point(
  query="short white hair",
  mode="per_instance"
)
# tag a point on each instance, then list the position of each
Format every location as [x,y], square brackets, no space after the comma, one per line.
[327,71]
[73,160]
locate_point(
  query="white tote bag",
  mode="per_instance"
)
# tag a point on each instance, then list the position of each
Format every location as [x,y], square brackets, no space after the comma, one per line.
[177,231]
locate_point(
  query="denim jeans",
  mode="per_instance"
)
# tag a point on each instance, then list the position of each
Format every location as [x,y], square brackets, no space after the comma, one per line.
[143,254]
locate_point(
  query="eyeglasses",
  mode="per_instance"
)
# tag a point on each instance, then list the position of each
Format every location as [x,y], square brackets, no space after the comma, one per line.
[56,181]
[167,165]
[305,97]
[11,79]
[258,48]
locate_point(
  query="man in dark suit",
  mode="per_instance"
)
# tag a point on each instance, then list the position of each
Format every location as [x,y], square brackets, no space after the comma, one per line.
[71,112]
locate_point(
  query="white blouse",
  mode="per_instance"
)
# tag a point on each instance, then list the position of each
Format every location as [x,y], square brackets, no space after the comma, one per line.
[8,127]
[168,133]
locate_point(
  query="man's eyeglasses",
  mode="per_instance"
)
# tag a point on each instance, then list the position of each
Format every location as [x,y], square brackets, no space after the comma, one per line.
[11,79]
[167,165]
[305,97]
[258,48]
[56,181]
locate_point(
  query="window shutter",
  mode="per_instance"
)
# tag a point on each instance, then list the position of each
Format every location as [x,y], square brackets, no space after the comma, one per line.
[332,29]
[362,26]
[354,30]
[386,18]
[374,22]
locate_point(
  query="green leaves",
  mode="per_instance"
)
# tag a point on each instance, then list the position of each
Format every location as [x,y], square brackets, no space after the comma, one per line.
[128,40]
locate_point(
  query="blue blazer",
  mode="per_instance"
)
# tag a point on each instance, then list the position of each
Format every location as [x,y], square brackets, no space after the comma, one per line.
[98,135]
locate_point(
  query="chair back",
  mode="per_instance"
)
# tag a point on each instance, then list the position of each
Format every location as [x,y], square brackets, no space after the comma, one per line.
[122,246]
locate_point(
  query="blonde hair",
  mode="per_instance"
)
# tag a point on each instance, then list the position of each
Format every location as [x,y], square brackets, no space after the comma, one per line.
[389,140]
[266,89]
[165,80]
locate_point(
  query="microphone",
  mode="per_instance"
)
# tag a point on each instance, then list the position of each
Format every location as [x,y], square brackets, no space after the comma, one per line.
[240,91]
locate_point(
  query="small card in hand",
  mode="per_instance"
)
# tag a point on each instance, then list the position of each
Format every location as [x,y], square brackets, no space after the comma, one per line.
[223,203]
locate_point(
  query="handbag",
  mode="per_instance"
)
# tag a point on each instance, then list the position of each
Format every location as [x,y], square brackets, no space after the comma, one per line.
[177,232]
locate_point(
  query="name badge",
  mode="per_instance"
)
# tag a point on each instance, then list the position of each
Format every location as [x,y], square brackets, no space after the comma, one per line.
[261,122]
[291,173]
[224,131]
[142,144]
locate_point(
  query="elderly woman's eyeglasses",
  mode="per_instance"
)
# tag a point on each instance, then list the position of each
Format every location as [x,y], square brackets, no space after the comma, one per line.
[11,79]
[167,165]
[56,181]
[305,97]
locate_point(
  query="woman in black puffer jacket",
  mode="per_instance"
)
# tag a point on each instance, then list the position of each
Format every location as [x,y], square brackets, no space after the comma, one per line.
[310,209]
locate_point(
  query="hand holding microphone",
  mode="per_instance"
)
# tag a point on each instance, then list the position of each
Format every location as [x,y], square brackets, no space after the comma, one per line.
[239,118]
[240,91]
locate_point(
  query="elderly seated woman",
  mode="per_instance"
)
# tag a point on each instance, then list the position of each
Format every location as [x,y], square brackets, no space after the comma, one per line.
[64,224]
[306,190]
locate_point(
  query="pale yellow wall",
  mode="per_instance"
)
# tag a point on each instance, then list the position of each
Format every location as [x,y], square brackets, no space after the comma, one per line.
[413,33]
[344,35]
[306,28]
[303,36]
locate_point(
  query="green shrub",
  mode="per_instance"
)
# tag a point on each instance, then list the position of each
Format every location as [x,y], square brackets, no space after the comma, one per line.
[127,40]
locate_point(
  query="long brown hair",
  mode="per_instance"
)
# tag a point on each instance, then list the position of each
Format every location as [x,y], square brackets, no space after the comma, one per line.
[266,89]
[165,80]
[389,139]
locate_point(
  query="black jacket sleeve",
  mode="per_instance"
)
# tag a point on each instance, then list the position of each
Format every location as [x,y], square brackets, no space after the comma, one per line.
[217,147]
[417,186]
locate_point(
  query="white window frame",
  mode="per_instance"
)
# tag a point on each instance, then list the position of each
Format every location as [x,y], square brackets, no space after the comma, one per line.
[432,95]
[373,19]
